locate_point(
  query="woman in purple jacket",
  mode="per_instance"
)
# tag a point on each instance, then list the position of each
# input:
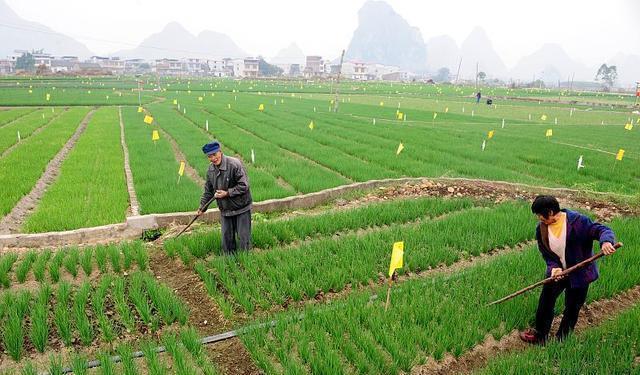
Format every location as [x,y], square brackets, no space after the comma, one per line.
[565,238]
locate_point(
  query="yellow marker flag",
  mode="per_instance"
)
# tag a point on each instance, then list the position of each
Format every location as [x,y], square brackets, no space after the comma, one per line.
[396,257]
[400,115]
[181,170]
[261,107]
[628,126]
[491,133]
[446,110]
[400,148]
[381,104]
[311,125]
[155,135]
[435,114]
[199,98]
[140,109]
[549,133]
[148,119]
[620,154]
[175,101]
[30,91]
[229,106]
[48,97]
[543,117]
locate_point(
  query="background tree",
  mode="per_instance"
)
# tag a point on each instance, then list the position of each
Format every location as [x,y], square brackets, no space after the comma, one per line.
[608,74]
[26,62]
[482,76]
[443,75]
[268,70]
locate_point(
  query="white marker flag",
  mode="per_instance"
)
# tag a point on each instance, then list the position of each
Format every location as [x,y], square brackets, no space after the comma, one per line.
[253,157]
[484,144]
[580,162]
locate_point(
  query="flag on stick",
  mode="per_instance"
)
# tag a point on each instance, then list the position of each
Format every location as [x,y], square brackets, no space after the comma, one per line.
[396,262]
[148,119]
[400,148]
[155,135]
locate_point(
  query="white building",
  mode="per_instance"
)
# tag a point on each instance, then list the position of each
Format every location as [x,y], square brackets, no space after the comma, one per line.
[377,71]
[247,67]
[219,68]
[355,70]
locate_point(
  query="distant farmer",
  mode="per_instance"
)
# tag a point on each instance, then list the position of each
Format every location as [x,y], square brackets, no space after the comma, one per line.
[227,182]
[565,238]
[478,97]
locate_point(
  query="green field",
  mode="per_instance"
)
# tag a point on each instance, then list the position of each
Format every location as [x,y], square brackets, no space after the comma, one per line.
[310,296]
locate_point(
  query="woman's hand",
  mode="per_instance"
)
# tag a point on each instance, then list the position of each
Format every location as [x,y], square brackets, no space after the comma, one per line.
[607,248]
[556,273]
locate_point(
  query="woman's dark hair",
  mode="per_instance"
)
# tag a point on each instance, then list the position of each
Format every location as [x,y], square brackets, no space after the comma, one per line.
[545,205]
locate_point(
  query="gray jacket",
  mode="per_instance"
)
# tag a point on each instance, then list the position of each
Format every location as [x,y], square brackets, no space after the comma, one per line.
[232,177]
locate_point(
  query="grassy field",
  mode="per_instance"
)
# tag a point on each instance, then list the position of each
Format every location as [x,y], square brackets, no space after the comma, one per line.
[442,132]
[310,296]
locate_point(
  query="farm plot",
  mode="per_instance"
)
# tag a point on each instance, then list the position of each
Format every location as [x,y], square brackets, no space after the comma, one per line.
[190,137]
[183,355]
[21,127]
[79,315]
[611,348]
[428,317]
[301,174]
[155,170]
[9,115]
[270,234]
[91,183]
[20,170]
[70,264]
[265,280]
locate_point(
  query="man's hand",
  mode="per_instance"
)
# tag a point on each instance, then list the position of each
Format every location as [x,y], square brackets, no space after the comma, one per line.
[200,212]
[607,248]
[220,194]
[555,273]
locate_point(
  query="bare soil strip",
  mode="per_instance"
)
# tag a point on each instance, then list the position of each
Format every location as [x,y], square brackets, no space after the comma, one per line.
[134,205]
[230,356]
[14,220]
[591,315]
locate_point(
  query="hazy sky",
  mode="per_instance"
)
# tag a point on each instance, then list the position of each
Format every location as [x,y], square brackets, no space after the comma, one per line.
[589,30]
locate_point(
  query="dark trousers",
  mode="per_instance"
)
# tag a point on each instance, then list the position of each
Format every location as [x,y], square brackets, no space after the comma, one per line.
[574,299]
[238,226]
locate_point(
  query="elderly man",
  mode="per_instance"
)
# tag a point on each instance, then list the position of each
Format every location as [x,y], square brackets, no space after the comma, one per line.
[565,238]
[227,182]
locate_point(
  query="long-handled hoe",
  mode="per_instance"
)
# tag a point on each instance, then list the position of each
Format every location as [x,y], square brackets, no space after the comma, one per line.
[553,279]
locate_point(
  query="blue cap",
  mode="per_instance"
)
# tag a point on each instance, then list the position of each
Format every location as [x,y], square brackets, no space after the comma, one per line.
[211,148]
